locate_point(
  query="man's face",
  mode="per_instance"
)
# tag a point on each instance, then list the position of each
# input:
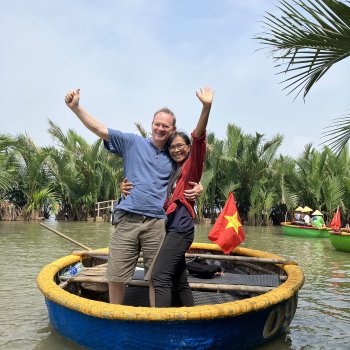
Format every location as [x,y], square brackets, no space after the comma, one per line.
[162,128]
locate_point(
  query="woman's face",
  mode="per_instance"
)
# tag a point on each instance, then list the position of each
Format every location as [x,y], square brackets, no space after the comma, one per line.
[178,149]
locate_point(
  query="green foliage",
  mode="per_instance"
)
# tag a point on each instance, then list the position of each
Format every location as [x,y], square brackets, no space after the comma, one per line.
[82,174]
[307,39]
[8,164]
[73,175]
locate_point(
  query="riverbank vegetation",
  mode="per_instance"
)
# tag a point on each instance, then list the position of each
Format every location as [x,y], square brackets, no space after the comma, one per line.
[69,177]
[308,38]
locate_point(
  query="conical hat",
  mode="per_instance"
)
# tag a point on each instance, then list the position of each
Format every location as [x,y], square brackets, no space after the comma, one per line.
[317,212]
[299,208]
[306,209]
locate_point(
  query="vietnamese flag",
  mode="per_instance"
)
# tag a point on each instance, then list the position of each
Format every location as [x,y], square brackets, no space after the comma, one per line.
[227,231]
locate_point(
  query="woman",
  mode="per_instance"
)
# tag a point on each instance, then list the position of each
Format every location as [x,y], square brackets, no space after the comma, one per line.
[169,275]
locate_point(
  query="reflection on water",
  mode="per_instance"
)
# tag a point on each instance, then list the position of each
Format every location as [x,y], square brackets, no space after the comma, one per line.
[322,319]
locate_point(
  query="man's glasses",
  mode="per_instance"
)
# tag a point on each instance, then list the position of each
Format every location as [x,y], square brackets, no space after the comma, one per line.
[178,147]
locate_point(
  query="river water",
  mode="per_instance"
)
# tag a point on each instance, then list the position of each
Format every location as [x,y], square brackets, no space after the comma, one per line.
[322,320]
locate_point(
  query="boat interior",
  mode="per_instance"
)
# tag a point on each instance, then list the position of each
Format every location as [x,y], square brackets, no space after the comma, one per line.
[238,280]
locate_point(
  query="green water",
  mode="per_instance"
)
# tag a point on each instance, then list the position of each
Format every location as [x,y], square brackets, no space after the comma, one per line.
[322,320]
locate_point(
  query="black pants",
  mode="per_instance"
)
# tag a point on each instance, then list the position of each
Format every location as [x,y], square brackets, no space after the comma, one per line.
[169,276]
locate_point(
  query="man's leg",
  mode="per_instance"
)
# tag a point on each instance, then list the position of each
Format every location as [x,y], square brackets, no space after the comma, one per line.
[116,292]
[151,295]
[151,238]
[122,257]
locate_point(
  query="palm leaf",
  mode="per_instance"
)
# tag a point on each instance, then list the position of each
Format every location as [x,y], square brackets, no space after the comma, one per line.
[142,130]
[337,134]
[308,39]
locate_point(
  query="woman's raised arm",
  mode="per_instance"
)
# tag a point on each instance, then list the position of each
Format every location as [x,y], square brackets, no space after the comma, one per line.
[205,95]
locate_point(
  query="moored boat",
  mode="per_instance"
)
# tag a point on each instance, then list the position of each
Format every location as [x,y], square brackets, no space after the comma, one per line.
[291,229]
[340,237]
[341,240]
[256,304]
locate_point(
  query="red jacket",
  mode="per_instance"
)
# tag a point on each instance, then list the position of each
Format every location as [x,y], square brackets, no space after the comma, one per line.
[192,170]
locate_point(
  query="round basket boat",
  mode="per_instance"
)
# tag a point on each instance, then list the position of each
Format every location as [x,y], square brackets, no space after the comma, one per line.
[248,321]
[290,229]
[341,240]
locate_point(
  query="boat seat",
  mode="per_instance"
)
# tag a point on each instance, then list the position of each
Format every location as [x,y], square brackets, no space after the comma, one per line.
[264,280]
[235,278]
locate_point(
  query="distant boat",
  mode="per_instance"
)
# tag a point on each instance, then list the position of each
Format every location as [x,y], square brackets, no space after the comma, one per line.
[290,229]
[341,240]
[252,303]
[340,237]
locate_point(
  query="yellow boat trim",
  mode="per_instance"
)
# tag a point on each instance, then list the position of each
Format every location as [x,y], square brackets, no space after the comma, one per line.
[53,292]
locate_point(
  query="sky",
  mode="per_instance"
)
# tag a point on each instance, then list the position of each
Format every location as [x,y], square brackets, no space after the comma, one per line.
[132,57]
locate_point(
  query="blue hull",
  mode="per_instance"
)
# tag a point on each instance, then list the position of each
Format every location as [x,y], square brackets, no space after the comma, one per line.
[241,324]
[239,332]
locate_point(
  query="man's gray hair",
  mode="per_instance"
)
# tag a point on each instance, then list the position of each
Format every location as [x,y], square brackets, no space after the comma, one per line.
[167,111]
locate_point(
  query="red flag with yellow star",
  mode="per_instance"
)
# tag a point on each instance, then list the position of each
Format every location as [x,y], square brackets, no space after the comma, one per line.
[227,231]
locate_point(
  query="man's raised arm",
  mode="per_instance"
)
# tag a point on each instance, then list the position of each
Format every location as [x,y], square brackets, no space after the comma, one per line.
[72,98]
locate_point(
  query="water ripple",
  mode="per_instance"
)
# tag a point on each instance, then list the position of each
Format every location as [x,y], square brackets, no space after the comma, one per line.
[322,319]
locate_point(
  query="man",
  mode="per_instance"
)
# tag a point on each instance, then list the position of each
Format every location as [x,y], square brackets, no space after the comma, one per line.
[141,215]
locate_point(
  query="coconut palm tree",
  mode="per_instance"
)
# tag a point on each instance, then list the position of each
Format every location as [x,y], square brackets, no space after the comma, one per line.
[248,161]
[211,175]
[79,171]
[8,164]
[320,180]
[33,177]
[240,163]
[282,172]
[307,39]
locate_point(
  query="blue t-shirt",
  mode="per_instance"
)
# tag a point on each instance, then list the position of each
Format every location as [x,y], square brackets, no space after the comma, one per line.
[147,167]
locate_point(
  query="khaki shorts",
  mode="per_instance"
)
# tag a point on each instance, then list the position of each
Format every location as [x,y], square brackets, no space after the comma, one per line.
[133,232]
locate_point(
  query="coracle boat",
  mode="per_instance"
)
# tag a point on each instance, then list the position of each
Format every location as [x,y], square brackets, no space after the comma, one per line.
[291,229]
[341,240]
[253,302]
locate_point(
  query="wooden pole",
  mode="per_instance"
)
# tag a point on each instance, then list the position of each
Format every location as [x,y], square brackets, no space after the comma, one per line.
[66,237]
[112,205]
[214,287]
[211,256]
[92,253]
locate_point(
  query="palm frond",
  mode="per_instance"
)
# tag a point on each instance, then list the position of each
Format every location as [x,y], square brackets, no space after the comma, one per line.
[308,38]
[337,134]
[142,130]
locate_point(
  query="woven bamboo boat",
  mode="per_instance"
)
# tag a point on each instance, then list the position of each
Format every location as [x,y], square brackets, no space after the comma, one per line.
[290,229]
[255,304]
[341,240]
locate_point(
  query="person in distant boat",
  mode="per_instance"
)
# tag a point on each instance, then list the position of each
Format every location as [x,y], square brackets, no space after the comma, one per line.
[306,218]
[298,220]
[140,216]
[317,219]
[169,275]
[347,222]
